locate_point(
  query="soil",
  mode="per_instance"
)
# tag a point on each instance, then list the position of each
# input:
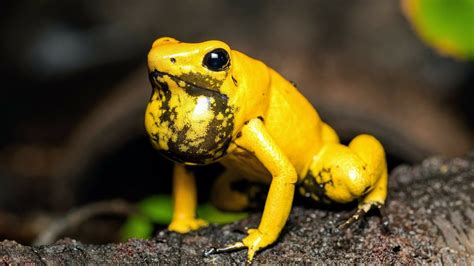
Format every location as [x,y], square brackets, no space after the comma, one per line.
[430,212]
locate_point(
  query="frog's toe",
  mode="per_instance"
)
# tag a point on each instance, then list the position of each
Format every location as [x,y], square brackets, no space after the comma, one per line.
[198,223]
[254,241]
[185,225]
[361,211]
[354,217]
[213,250]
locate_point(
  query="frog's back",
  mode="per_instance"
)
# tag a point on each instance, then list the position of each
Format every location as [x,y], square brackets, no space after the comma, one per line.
[293,123]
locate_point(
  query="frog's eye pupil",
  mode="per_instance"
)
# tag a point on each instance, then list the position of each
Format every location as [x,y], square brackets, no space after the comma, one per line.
[217,60]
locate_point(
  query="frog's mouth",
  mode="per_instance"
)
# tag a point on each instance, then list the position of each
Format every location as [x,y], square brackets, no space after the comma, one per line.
[192,124]
[192,82]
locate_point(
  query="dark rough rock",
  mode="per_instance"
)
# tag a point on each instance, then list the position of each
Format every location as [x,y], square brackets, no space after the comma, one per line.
[430,209]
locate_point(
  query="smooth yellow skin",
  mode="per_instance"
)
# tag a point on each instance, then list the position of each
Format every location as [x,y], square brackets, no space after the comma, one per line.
[184,201]
[255,123]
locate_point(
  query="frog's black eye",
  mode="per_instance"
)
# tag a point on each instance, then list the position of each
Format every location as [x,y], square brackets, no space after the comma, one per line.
[217,60]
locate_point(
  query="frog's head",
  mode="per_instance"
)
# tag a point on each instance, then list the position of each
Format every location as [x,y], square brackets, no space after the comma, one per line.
[197,106]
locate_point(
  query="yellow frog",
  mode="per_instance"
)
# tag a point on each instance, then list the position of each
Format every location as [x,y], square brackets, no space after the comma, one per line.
[211,103]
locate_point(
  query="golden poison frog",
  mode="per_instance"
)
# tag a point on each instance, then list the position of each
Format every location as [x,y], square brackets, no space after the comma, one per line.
[211,103]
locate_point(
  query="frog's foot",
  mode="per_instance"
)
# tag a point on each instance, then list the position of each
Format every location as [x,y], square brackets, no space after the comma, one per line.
[361,211]
[185,225]
[255,241]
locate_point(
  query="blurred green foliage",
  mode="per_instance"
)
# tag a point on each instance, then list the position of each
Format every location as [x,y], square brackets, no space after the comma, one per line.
[446,25]
[158,209]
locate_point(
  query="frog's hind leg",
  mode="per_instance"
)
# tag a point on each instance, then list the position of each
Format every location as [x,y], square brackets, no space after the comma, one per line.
[372,152]
[328,134]
[345,173]
[226,198]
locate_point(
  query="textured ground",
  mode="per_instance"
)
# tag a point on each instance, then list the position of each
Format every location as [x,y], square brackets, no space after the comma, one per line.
[430,209]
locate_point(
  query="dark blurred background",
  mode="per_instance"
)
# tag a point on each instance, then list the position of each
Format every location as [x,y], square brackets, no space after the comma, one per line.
[74,87]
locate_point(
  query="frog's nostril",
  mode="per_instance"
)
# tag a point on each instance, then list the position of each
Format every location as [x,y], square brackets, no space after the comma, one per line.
[173,60]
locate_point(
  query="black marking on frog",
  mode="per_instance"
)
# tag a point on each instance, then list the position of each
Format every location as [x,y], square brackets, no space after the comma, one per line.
[366,190]
[235,81]
[202,81]
[191,79]
[326,171]
[152,77]
[202,150]
[315,189]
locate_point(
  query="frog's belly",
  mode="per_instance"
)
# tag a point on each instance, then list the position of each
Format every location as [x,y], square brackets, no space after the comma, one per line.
[247,166]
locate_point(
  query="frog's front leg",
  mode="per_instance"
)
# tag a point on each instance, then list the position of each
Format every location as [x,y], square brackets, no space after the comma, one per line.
[256,139]
[184,201]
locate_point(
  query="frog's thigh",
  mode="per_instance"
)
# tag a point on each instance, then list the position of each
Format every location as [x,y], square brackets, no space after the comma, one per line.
[224,197]
[372,153]
[328,134]
[346,173]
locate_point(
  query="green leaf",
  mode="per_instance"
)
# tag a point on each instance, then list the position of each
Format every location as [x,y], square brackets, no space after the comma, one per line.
[159,208]
[213,215]
[136,226]
[446,25]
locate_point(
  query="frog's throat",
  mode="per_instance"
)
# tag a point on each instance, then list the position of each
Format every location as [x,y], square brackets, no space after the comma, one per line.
[155,74]
[181,144]
[310,188]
